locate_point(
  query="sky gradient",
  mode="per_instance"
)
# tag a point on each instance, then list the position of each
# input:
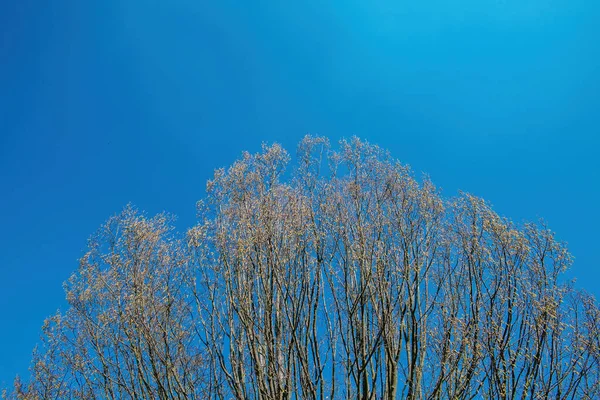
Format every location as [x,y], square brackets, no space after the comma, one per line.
[110,102]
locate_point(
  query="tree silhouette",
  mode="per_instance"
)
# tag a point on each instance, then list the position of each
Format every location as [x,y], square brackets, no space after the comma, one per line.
[344,278]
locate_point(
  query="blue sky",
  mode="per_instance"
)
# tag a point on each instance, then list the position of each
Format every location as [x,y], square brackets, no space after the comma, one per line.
[110,102]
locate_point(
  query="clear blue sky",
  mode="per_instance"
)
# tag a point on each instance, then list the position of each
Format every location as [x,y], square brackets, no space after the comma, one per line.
[108,102]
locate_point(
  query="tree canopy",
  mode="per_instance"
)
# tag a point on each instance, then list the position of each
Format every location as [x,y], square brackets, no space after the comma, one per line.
[341,277]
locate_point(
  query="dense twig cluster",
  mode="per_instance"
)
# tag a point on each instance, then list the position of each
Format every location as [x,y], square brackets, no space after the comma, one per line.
[343,279]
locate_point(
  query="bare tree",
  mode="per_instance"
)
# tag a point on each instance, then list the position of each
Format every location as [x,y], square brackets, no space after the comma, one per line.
[130,329]
[344,278]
